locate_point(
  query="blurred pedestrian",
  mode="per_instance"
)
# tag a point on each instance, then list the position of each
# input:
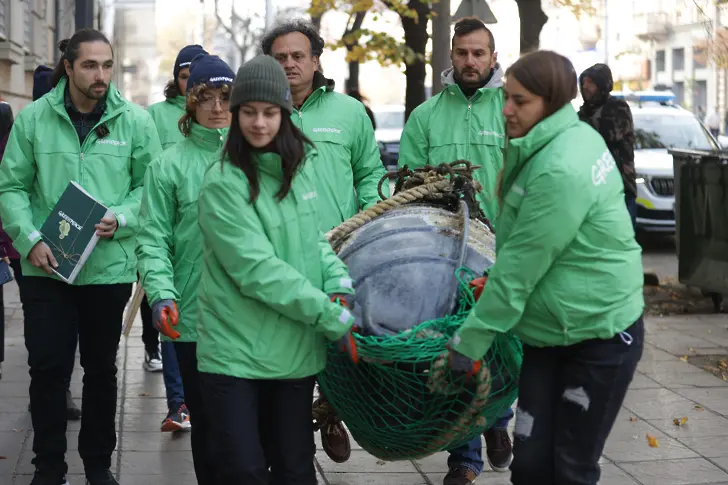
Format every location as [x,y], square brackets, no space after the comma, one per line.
[713,122]
[9,255]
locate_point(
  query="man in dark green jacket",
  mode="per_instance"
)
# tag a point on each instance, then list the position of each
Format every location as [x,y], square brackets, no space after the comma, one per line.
[348,167]
[465,122]
[82,131]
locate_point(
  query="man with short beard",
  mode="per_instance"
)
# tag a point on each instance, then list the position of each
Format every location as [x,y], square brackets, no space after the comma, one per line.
[82,131]
[465,122]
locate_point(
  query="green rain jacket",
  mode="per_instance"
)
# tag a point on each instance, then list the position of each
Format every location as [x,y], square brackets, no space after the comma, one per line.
[348,167]
[450,127]
[166,115]
[169,242]
[43,155]
[568,267]
[264,309]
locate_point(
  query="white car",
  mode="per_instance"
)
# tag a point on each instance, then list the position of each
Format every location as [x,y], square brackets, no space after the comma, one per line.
[660,125]
[390,123]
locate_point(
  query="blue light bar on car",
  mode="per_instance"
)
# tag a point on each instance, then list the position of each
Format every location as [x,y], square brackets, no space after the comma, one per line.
[647,96]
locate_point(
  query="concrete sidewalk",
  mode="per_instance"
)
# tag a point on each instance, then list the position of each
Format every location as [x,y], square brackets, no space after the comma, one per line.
[665,388]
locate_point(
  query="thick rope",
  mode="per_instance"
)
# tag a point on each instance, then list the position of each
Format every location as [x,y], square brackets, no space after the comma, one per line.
[429,190]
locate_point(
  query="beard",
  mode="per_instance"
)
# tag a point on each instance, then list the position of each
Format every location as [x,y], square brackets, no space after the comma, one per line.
[478,82]
[91,94]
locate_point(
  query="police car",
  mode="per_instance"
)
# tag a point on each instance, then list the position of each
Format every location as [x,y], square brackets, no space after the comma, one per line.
[660,124]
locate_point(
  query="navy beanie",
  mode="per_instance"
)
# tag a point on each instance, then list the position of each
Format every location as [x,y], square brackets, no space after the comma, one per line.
[211,70]
[185,56]
[41,81]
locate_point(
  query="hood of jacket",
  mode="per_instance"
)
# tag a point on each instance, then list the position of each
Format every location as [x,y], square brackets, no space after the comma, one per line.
[496,80]
[601,75]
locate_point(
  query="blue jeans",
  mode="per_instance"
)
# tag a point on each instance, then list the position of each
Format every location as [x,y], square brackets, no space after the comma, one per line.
[470,455]
[172,377]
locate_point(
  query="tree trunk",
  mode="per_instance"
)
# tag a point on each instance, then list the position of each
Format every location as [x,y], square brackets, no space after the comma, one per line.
[440,43]
[415,37]
[532,19]
[353,82]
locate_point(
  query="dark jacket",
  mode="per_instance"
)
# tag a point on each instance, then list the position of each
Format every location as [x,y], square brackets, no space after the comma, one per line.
[612,118]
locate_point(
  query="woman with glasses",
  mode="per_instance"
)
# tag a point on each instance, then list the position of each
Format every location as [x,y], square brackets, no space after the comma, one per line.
[169,242]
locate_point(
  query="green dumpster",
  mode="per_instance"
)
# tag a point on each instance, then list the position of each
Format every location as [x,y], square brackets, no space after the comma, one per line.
[701,216]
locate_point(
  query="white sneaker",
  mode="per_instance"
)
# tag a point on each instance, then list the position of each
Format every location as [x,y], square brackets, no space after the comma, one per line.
[152,361]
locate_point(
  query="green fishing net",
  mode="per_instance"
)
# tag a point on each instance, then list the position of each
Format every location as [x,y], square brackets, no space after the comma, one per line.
[402,402]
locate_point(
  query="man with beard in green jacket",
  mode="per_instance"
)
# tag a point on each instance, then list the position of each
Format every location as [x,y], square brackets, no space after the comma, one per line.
[465,122]
[348,166]
[82,131]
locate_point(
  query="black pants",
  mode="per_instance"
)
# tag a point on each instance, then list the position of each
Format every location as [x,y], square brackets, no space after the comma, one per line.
[568,399]
[56,314]
[150,335]
[201,454]
[260,424]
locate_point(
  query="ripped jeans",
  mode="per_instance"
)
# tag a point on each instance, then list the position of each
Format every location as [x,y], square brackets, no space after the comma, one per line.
[568,400]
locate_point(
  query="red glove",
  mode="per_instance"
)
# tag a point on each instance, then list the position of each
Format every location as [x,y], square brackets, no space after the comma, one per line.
[339,299]
[477,285]
[460,364]
[347,344]
[165,316]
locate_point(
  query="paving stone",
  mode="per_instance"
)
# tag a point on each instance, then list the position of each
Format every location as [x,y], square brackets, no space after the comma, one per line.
[675,472]
[628,443]
[154,441]
[363,462]
[162,463]
[613,475]
[698,425]
[377,479]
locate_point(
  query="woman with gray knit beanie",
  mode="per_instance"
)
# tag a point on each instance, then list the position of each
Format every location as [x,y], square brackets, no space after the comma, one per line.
[269,290]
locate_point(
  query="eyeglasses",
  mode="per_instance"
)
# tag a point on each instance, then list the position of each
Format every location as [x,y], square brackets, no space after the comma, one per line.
[208,104]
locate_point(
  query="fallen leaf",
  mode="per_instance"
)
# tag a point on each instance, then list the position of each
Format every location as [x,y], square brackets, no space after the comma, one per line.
[699,407]
[381,462]
[691,349]
[680,421]
[652,441]
[723,364]
[145,394]
[633,419]
[684,358]
[3,457]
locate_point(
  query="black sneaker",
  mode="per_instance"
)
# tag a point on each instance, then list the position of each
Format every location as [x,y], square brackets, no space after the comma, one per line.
[100,477]
[152,361]
[178,420]
[42,479]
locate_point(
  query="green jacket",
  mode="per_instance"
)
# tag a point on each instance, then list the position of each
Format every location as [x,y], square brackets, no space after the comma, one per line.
[169,243]
[264,309]
[568,267]
[166,115]
[450,127]
[348,167]
[43,155]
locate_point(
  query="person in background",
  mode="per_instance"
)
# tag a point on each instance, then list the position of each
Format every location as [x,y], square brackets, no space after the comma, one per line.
[83,108]
[169,242]
[7,251]
[41,86]
[713,122]
[612,118]
[354,93]
[266,307]
[348,166]
[464,122]
[166,115]
[562,223]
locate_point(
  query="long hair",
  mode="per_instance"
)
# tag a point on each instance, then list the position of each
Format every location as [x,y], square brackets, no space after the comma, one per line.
[171,90]
[6,120]
[70,48]
[193,97]
[290,144]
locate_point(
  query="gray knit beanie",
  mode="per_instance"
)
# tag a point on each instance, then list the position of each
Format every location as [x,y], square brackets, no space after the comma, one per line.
[261,79]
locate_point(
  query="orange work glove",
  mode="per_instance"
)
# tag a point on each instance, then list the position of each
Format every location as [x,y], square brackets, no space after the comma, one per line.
[477,286]
[164,317]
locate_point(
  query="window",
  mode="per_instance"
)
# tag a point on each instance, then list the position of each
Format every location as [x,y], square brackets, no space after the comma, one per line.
[700,57]
[679,90]
[28,27]
[4,18]
[670,131]
[660,61]
[678,59]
